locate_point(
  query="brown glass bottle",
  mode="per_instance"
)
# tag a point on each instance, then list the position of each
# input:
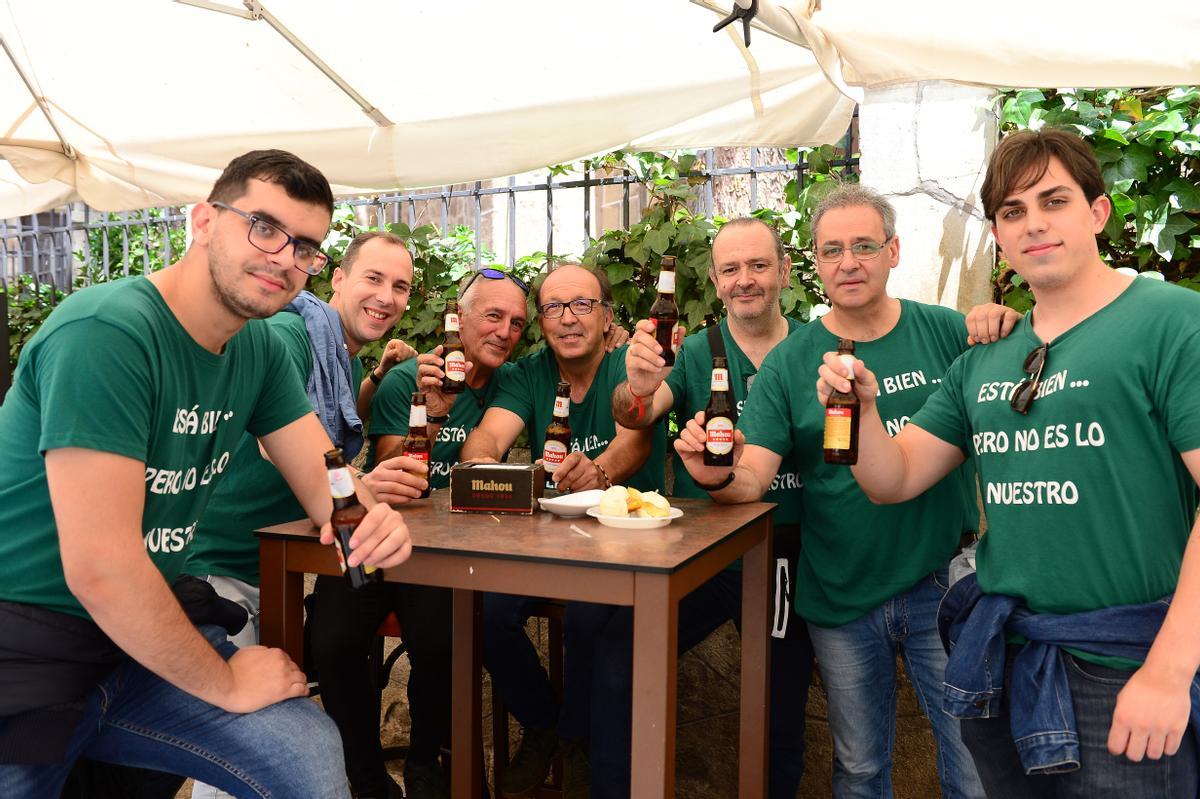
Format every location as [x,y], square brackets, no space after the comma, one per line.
[719,418]
[841,416]
[416,443]
[347,513]
[453,355]
[558,433]
[665,312]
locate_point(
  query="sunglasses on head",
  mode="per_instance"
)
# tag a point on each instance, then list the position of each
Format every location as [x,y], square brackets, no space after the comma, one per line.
[1026,391]
[495,274]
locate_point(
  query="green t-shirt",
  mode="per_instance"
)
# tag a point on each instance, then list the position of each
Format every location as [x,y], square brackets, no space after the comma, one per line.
[393,400]
[856,554]
[113,370]
[1088,502]
[254,493]
[528,391]
[690,382]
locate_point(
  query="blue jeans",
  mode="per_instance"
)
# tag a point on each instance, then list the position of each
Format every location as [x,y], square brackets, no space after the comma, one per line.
[1094,690]
[705,609]
[289,750]
[517,673]
[858,667]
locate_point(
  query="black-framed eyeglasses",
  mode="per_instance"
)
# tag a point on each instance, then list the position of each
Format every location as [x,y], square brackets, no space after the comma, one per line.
[580,307]
[861,250]
[1025,392]
[494,274]
[270,238]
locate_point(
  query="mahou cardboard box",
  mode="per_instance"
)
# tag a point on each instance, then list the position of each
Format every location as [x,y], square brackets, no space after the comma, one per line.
[496,487]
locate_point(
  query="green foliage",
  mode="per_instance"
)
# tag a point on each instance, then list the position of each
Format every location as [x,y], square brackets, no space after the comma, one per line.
[1147,142]
[30,304]
[631,257]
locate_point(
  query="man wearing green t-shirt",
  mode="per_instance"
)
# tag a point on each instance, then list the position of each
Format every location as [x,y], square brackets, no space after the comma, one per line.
[370,291]
[344,622]
[574,306]
[126,408]
[867,596]
[749,271]
[1085,428]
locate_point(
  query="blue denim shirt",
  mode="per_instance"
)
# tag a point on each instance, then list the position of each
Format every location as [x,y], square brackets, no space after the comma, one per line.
[329,383]
[974,626]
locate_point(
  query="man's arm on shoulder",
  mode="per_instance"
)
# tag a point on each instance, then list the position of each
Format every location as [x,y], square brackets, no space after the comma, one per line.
[107,569]
[989,322]
[497,431]
[1153,708]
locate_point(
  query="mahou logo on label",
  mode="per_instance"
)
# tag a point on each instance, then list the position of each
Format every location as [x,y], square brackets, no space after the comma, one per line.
[562,406]
[456,366]
[718,433]
[553,455]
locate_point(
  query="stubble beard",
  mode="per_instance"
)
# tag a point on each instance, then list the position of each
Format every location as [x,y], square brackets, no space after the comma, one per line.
[226,292]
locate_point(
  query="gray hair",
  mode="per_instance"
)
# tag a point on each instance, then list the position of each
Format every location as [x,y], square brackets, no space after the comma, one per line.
[855,195]
[750,221]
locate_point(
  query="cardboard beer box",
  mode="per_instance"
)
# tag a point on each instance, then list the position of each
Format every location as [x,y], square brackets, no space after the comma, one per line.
[496,487]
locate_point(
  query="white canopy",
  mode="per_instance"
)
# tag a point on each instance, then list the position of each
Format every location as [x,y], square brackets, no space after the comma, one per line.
[146,100]
[1016,43]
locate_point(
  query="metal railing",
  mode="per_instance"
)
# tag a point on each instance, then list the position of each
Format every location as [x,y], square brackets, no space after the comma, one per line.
[55,249]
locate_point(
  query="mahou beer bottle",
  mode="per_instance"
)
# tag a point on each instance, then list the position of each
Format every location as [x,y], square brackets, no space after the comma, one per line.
[558,433]
[416,443]
[841,415]
[453,354]
[347,513]
[718,418]
[665,312]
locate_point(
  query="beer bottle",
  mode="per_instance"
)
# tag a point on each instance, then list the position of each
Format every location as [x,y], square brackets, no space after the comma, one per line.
[841,415]
[558,433]
[665,312]
[453,354]
[718,418]
[348,512]
[416,444]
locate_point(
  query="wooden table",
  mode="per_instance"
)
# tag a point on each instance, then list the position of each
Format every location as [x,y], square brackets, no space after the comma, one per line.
[542,555]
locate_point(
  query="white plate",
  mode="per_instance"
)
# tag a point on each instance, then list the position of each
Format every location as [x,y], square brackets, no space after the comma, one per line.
[571,505]
[633,522]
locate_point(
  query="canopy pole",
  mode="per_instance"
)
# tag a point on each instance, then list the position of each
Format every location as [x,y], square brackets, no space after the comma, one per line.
[256,11]
[68,150]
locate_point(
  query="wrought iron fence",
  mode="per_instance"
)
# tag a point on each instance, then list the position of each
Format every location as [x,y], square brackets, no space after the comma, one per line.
[68,247]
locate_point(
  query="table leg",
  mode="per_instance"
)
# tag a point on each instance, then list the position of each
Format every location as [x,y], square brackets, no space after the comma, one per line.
[281,601]
[466,735]
[655,651]
[756,659]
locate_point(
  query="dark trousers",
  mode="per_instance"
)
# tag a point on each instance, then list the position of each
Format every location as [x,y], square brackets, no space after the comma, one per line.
[342,628]
[1094,690]
[700,612]
[517,673]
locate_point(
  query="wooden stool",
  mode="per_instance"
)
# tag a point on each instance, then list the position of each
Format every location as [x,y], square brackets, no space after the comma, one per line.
[552,610]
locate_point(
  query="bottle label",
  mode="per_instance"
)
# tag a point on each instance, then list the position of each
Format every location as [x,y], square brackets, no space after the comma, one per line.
[416,416]
[422,456]
[553,454]
[562,407]
[718,435]
[341,485]
[848,362]
[451,322]
[837,427]
[720,380]
[456,366]
[666,282]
